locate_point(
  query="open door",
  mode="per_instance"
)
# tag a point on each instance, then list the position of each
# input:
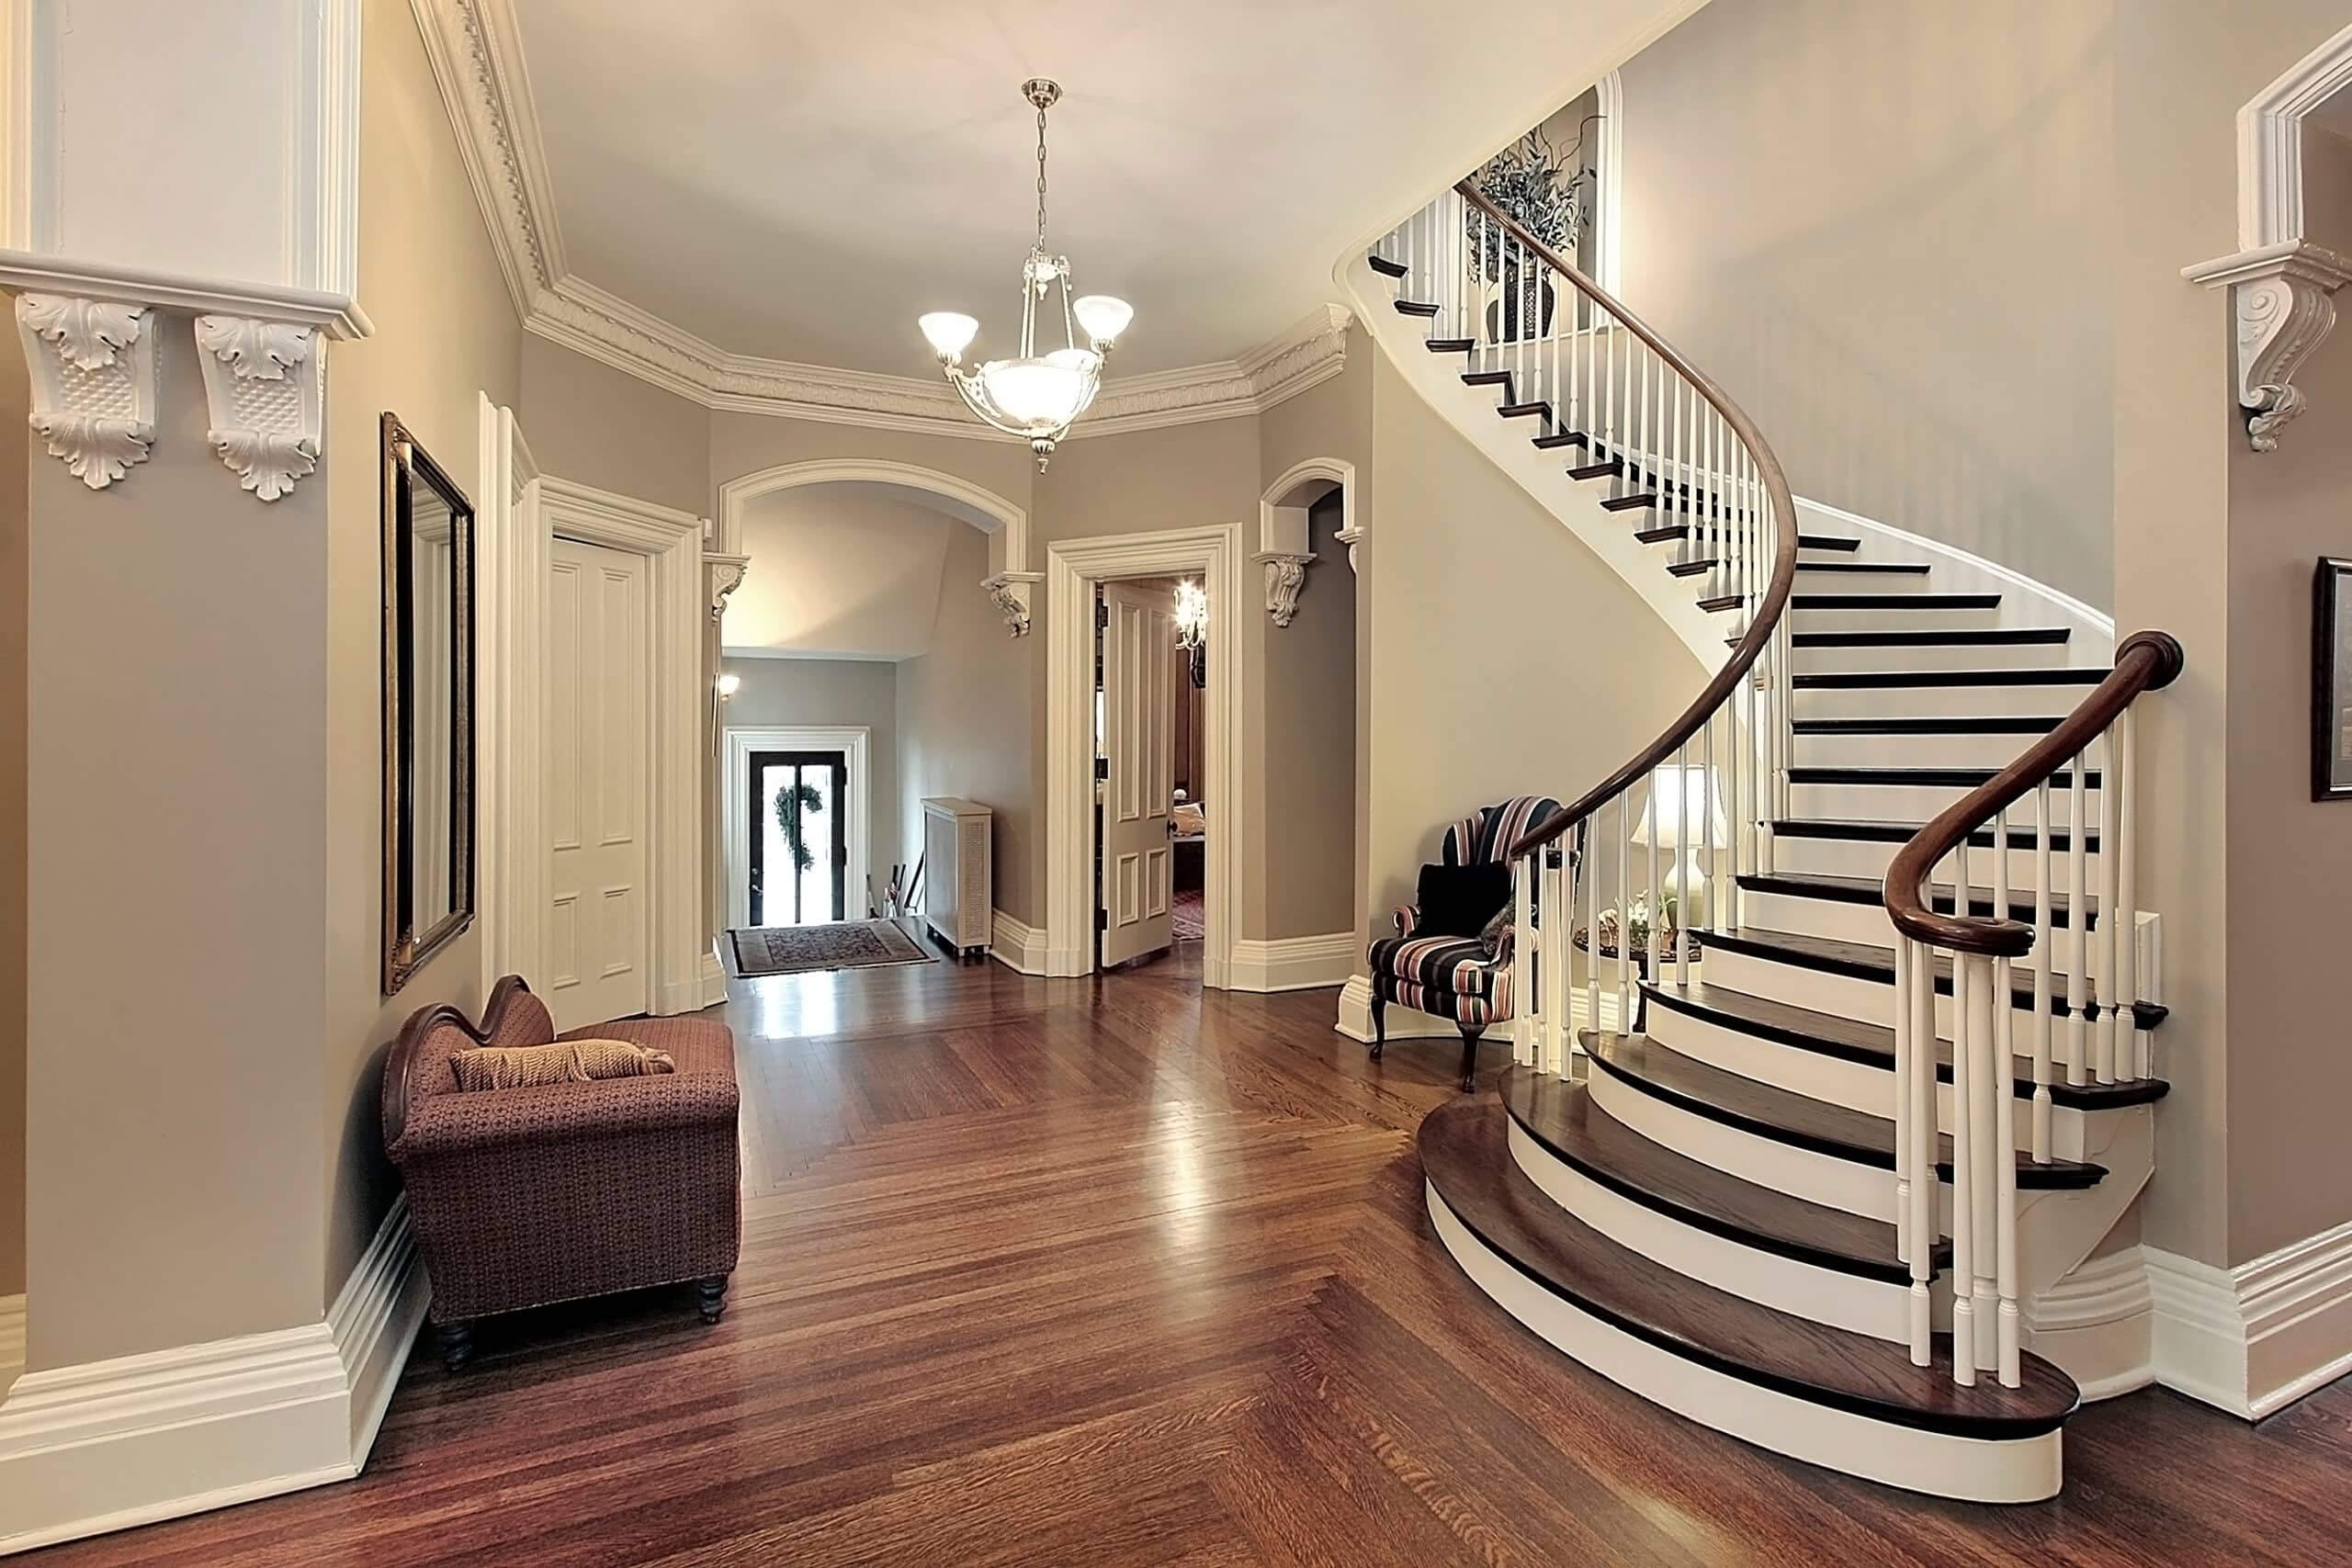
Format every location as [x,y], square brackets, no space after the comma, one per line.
[1139,865]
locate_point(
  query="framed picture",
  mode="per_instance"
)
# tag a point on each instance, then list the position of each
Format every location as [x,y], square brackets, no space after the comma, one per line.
[2331,680]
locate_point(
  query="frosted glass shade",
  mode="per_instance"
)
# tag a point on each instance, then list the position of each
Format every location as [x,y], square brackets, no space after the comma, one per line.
[1041,393]
[1102,317]
[1689,809]
[949,332]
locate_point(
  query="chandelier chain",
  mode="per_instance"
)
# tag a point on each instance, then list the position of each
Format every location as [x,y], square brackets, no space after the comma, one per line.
[1041,178]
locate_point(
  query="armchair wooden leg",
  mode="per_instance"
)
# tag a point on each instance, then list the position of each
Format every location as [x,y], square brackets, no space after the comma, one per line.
[1470,1032]
[1379,1022]
[456,1345]
[712,1296]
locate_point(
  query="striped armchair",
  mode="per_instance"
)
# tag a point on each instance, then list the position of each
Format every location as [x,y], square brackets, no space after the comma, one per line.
[1465,980]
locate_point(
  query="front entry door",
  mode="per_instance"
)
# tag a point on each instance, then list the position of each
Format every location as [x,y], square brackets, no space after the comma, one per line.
[799,838]
[598,763]
[1138,867]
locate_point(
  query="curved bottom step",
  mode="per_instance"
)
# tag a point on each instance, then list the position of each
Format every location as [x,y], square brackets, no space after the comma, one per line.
[1814,1394]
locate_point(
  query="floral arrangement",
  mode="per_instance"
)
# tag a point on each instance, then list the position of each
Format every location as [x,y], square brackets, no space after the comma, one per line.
[1531,182]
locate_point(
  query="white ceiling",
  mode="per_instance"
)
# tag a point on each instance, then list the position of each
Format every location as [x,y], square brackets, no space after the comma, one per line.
[799,179]
[837,571]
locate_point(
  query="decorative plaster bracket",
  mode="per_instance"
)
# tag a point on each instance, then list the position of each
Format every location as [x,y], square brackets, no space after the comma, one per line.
[725,574]
[1351,538]
[1285,576]
[2283,303]
[93,364]
[1010,589]
[264,388]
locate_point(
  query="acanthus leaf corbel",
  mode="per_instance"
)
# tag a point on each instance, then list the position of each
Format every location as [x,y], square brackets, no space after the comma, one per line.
[1012,589]
[1285,577]
[92,372]
[265,393]
[723,574]
[2282,305]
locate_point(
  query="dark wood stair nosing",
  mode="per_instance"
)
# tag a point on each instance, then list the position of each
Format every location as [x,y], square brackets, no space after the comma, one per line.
[1876,680]
[1949,637]
[1417,307]
[1627,503]
[1894,601]
[1387,268]
[1441,1168]
[1875,966]
[1608,1050]
[1451,344]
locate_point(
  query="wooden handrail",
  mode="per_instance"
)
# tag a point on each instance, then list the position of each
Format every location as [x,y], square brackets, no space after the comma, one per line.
[1770,607]
[2146,662]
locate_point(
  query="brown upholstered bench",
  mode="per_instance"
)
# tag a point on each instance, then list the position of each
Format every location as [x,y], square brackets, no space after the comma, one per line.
[525,1197]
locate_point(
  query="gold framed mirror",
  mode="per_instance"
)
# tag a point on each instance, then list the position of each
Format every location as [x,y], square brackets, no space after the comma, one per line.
[428,706]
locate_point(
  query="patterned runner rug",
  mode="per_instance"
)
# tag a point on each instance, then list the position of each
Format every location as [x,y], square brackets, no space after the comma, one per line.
[846,944]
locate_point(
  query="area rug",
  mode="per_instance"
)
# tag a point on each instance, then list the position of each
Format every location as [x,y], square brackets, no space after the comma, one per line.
[844,944]
[1186,920]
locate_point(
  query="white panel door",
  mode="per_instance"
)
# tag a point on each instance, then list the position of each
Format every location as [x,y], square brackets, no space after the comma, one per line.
[1138,867]
[598,761]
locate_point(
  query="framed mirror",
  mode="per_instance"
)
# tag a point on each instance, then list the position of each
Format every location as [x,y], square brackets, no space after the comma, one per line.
[428,706]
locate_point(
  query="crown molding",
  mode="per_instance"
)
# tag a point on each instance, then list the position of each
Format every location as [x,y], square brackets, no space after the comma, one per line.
[477,58]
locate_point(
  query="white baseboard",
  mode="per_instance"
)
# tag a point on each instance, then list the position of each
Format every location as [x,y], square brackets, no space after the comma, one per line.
[1018,946]
[110,1445]
[2097,1324]
[12,1339]
[714,979]
[2253,1339]
[1294,964]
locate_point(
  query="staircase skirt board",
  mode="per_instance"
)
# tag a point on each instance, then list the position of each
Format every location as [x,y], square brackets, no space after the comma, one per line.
[1982,1469]
[1859,1303]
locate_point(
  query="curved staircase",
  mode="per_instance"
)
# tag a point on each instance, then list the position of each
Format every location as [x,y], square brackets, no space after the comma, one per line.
[1809,1187]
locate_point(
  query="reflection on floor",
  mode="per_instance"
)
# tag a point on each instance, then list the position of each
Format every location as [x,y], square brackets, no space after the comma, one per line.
[1048,1272]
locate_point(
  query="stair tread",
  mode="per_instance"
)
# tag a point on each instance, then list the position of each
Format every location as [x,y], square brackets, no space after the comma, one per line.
[1864,567]
[1465,1158]
[1719,601]
[1561,438]
[1871,890]
[1800,1121]
[1451,344]
[1845,680]
[1562,1117]
[1997,724]
[1863,831]
[1829,542]
[1870,1044]
[1628,502]
[1870,961]
[1387,268]
[1945,637]
[1521,411]
[1962,778]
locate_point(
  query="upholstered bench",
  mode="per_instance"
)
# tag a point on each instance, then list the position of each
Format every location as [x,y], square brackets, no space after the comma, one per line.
[525,1197]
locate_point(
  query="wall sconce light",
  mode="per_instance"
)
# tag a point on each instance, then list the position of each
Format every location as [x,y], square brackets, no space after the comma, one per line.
[722,691]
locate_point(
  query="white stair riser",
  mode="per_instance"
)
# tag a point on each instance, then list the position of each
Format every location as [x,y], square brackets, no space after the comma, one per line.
[1856,1187]
[1867,923]
[1880,1308]
[1930,748]
[1915,802]
[1889,618]
[1835,1079]
[1944,702]
[1869,857]
[1811,580]
[1930,656]
[2024,1470]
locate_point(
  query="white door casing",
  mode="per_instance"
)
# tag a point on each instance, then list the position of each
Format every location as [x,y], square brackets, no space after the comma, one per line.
[1138,867]
[599,772]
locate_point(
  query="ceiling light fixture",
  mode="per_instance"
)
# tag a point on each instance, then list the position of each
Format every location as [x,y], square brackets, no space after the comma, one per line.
[1035,396]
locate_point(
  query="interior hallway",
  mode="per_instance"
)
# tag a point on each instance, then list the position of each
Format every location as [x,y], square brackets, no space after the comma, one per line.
[1051,1272]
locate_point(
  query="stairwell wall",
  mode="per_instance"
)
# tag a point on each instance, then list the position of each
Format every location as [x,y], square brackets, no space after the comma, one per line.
[1884,226]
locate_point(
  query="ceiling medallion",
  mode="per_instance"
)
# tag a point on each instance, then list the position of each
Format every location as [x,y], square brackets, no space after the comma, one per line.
[1035,396]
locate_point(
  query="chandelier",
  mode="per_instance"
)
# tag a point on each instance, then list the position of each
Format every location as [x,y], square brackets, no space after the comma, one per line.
[1035,396]
[1192,628]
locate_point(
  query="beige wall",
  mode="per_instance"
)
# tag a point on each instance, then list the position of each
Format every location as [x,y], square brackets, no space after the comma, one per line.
[854,693]
[965,723]
[1885,227]
[14,537]
[591,423]
[445,334]
[1557,635]
[839,570]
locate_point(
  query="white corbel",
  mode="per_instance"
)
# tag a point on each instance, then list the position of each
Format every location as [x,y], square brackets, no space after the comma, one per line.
[93,366]
[1010,589]
[723,574]
[1285,577]
[263,392]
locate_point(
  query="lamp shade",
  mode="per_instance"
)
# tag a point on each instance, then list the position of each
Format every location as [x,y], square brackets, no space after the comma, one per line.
[1102,316]
[949,332]
[1041,393]
[1688,807]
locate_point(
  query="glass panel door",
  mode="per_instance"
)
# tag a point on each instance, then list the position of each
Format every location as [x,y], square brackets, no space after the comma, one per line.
[799,836]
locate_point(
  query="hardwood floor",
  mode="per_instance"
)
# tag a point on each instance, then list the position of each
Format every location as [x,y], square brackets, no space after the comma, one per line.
[1127,1272]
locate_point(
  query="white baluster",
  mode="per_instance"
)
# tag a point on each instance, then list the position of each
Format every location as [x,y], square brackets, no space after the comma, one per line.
[1560,1038]
[1623,840]
[1908,1244]
[1652,894]
[1964,1188]
[2078,915]
[1919,1006]
[1683,923]
[2112,918]
[2005,1010]
[2045,955]
[1526,964]
[2121,760]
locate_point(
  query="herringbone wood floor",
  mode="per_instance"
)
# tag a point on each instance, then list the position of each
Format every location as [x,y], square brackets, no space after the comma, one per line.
[1119,1272]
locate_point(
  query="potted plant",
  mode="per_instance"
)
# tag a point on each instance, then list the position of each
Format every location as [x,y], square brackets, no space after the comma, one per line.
[1533,182]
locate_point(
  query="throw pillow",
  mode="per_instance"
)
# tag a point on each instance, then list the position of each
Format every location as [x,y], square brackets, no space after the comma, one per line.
[563,1061]
[1458,900]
